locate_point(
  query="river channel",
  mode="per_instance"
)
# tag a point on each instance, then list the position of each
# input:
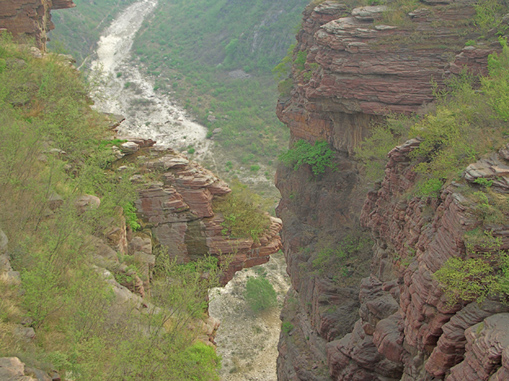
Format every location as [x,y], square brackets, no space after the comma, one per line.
[246,341]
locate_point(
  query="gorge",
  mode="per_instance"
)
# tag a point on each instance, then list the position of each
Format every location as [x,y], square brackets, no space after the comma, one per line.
[400,275]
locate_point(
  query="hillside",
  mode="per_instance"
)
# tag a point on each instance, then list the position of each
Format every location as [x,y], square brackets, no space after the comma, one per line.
[216,58]
[108,247]
[79,29]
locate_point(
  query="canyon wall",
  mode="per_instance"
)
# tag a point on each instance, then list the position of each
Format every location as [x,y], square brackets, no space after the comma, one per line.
[373,311]
[30,18]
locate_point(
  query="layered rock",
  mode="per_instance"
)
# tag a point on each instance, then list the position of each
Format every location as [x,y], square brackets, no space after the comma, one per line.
[359,67]
[178,210]
[30,18]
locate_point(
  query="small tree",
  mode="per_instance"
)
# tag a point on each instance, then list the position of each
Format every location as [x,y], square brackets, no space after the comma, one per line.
[260,294]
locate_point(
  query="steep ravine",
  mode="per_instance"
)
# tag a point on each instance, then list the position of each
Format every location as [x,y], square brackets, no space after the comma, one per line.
[382,316]
[125,90]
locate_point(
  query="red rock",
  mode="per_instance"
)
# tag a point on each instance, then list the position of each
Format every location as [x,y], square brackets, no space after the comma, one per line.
[486,342]
[180,213]
[30,18]
[355,72]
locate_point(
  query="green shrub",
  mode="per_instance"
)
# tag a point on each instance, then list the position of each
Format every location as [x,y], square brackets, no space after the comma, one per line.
[286,327]
[318,156]
[467,123]
[488,15]
[260,294]
[384,137]
[484,272]
[487,183]
[429,188]
[130,216]
[467,279]
[241,210]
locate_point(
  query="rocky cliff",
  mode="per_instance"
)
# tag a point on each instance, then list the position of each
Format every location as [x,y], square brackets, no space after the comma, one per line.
[361,64]
[30,18]
[176,203]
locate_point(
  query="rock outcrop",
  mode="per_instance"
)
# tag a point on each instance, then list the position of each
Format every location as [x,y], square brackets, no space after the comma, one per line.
[30,18]
[360,66]
[11,368]
[176,204]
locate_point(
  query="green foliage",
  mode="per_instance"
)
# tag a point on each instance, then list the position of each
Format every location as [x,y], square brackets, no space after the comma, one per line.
[318,156]
[467,123]
[496,87]
[467,279]
[483,273]
[260,294]
[384,137]
[484,182]
[429,188]
[300,60]
[284,68]
[243,217]
[491,207]
[130,216]
[341,260]
[286,327]
[51,142]
[488,15]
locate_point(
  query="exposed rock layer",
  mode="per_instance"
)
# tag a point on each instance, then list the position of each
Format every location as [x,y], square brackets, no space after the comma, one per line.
[359,67]
[30,18]
[178,210]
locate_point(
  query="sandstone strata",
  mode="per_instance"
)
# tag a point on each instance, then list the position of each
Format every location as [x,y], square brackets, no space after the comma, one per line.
[30,18]
[177,208]
[358,68]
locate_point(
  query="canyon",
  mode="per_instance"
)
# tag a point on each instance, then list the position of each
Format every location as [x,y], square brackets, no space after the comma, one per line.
[378,312]
[384,316]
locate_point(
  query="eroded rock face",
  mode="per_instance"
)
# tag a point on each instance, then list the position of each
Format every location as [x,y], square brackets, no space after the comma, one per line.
[30,18]
[358,68]
[414,238]
[178,210]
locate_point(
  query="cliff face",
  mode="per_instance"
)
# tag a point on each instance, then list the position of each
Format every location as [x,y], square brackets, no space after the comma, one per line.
[30,18]
[176,205]
[406,324]
[359,67]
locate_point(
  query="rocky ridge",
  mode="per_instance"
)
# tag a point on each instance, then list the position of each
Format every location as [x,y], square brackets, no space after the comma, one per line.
[359,66]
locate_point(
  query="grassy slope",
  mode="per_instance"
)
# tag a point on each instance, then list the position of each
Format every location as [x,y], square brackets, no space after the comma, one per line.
[79,329]
[192,46]
[78,29]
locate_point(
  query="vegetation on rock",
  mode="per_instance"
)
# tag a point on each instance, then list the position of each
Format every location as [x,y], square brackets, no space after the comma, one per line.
[243,217]
[318,156]
[50,157]
[483,273]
